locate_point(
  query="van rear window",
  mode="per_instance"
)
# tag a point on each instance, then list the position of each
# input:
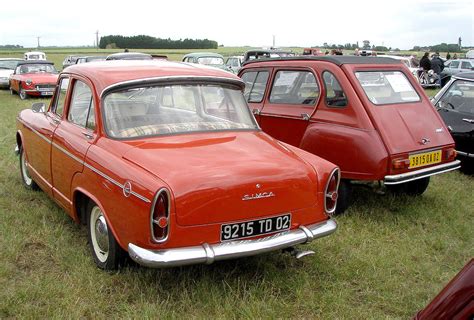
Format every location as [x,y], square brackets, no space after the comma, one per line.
[387,87]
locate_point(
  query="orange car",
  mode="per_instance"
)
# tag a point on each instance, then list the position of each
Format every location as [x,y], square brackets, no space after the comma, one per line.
[164,160]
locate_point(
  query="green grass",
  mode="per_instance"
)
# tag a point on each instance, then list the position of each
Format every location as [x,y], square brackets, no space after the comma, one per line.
[388,259]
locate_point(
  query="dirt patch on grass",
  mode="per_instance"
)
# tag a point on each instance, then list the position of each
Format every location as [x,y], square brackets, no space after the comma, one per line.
[35,256]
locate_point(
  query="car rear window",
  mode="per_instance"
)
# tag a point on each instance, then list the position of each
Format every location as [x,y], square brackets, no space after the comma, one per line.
[387,87]
[174,109]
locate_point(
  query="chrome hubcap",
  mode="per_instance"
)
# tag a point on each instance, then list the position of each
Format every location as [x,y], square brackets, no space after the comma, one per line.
[99,234]
[24,169]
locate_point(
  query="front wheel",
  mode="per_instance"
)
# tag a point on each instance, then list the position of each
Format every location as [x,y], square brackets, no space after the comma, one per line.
[411,188]
[106,251]
[28,182]
[22,93]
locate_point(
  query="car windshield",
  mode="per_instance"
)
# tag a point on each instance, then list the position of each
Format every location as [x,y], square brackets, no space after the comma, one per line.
[38,68]
[210,60]
[174,109]
[8,64]
[459,97]
[387,87]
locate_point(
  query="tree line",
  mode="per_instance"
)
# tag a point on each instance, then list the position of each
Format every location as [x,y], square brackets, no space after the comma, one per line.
[442,47]
[148,42]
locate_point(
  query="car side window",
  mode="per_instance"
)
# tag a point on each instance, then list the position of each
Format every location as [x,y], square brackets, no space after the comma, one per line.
[335,96]
[465,65]
[294,87]
[58,107]
[454,64]
[81,110]
[255,84]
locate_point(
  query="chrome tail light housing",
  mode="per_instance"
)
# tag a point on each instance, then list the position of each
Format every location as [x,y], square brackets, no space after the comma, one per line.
[160,216]
[330,192]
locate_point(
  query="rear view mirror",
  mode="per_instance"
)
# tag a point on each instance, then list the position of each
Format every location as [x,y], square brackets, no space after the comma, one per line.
[38,107]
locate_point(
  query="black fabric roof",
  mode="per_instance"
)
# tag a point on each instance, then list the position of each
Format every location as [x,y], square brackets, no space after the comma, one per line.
[338,60]
[34,62]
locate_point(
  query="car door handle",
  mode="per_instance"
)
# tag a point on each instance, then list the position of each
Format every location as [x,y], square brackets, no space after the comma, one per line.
[305,116]
[88,135]
[56,121]
[468,120]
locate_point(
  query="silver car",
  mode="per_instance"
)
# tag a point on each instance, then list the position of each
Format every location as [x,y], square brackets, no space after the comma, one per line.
[452,67]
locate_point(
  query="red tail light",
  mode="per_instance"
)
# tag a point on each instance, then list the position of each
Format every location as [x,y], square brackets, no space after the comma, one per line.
[450,154]
[400,163]
[160,212]
[330,194]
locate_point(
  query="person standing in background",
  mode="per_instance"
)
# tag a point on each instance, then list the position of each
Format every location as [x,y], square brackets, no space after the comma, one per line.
[448,56]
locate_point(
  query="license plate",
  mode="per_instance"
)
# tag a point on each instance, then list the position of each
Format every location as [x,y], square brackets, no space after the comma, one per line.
[424,159]
[46,93]
[254,228]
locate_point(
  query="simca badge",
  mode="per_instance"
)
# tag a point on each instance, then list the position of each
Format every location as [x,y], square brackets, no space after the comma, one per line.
[127,189]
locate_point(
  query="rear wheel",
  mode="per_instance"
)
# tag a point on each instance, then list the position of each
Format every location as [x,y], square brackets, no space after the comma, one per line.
[106,251]
[344,196]
[412,188]
[28,182]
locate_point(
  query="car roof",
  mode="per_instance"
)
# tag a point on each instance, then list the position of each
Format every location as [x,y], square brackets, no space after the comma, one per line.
[465,75]
[34,52]
[35,62]
[11,59]
[338,60]
[128,55]
[105,74]
[204,54]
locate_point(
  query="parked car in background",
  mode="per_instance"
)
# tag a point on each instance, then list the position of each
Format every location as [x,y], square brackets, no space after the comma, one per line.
[7,66]
[312,52]
[89,59]
[235,63]
[33,78]
[129,56]
[408,62]
[207,58]
[452,67]
[455,104]
[470,54]
[164,160]
[35,55]
[455,301]
[70,60]
[266,53]
[159,56]
[368,115]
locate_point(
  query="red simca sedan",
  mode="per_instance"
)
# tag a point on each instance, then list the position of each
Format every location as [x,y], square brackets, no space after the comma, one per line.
[34,78]
[164,160]
[367,115]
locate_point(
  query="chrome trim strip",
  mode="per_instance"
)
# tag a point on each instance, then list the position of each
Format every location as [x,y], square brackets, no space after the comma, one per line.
[465,154]
[230,80]
[100,173]
[208,253]
[422,173]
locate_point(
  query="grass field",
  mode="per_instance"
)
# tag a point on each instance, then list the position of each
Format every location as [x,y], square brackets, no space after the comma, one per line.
[388,259]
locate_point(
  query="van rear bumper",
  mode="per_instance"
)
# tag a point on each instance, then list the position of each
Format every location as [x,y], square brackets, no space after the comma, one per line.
[421,173]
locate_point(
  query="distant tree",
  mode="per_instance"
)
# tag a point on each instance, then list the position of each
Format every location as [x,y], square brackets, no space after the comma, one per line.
[380,48]
[325,45]
[147,42]
[366,45]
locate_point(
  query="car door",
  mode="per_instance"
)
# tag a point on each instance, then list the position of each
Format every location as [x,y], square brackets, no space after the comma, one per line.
[289,104]
[38,143]
[255,86]
[72,138]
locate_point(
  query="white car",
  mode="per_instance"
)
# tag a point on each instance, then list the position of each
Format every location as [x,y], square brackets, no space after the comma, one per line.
[408,61]
[35,55]
[7,65]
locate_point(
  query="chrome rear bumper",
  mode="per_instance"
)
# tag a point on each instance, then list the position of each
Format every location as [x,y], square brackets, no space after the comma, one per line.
[422,173]
[207,253]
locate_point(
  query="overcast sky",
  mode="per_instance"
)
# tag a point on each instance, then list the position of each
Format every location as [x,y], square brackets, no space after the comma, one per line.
[396,23]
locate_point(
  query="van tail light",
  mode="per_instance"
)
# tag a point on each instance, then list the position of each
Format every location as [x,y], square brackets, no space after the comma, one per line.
[400,163]
[450,154]
[330,193]
[159,218]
